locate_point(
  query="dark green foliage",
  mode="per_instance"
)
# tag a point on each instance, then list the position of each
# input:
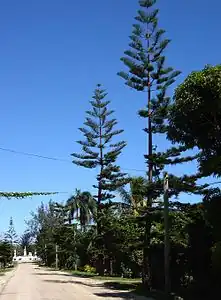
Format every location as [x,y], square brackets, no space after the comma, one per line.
[81,207]
[5,253]
[117,243]
[199,254]
[66,237]
[195,116]
[98,149]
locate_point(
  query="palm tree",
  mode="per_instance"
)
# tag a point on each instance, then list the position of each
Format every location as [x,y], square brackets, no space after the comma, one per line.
[134,199]
[82,207]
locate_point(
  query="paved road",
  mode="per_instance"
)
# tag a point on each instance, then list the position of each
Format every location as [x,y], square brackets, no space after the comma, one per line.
[32,283]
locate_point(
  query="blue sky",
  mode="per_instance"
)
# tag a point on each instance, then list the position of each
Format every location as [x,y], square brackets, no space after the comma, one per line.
[52,55]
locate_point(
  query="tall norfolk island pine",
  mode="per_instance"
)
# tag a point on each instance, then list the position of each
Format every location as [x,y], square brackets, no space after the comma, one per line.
[147,73]
[98,150]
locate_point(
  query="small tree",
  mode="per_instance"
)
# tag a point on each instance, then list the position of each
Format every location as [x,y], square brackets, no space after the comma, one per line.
[98,150]
[11,237]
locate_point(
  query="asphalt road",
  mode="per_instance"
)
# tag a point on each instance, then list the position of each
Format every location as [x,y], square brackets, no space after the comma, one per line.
[31,283]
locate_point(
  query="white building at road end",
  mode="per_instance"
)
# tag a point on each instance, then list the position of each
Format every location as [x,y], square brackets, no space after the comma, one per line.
[25,257]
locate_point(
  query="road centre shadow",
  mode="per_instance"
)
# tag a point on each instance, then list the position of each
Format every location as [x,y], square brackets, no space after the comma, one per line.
[74,282]
[118,290]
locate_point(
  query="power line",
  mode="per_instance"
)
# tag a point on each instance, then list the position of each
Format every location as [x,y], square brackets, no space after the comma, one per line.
[69,161]
[53,158]
[34,155]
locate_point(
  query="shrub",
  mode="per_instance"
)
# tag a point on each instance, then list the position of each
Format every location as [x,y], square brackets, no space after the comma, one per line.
[89,269]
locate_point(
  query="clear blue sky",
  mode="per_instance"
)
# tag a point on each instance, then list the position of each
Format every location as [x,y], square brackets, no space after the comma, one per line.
[52,55]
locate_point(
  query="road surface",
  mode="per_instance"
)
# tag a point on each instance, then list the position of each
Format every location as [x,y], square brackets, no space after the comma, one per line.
[31,283]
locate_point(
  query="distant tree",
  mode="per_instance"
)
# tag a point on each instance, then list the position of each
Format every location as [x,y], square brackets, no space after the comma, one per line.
[43,227]
[46,216]
[11,235]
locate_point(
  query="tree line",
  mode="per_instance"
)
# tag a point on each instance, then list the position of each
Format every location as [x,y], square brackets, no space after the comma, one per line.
[124,236]
[10,241]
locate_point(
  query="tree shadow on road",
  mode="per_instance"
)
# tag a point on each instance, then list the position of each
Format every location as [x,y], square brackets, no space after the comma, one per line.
[63,274]
[116,289]
[115,293]
[120,289]
[122,295]
[74,282]
[121,285]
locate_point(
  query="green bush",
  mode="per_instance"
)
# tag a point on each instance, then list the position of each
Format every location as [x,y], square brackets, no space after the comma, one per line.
[89,269]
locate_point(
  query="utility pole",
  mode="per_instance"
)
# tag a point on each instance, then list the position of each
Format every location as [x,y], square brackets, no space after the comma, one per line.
[75,250]
[46,260]
[56,256]
[166,236]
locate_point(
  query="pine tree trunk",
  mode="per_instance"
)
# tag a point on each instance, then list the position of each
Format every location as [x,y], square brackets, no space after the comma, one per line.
[146,276]
[99,263]
[146,272]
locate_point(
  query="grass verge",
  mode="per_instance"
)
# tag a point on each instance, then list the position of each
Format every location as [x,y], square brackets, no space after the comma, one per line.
[105,278]
[3,271]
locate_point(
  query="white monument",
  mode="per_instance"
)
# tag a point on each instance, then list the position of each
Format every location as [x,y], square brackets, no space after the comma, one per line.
[25,257]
